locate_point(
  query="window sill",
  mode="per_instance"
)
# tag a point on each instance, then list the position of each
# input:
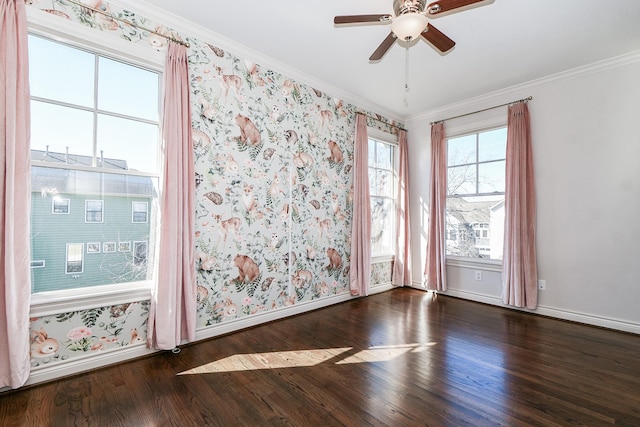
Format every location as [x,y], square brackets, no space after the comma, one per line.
[56,302]
[476,264]
[381,258]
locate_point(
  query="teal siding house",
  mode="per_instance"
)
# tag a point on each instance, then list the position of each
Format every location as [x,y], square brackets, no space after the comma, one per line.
[89,228]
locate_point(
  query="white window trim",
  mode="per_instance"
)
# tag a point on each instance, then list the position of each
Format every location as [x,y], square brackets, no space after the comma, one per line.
[146,213]
[66,259]
[86,204]
[47,25]
[53,202]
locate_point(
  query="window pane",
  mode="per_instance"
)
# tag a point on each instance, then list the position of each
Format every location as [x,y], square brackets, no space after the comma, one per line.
[61,127]
[475,226]
[384,183]
[384,156]
[492,145]
[461,180]
[461,150]
[127,90]
[129,140]
[60,72]
[372,152]
[51,233]
[372,182]
[382,229]
[491,177]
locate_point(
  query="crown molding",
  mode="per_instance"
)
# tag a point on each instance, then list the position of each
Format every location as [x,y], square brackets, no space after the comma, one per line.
[520,90]
[190,29]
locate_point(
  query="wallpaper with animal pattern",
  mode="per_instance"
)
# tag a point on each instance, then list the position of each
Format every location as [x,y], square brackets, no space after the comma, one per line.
[273,161]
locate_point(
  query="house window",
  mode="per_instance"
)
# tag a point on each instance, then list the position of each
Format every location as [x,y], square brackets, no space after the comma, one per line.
[139,253]
[139,211]
[382,188]
[60,205]
[75,252]
[475,194]
[38,264]
[93,210]
[94,141]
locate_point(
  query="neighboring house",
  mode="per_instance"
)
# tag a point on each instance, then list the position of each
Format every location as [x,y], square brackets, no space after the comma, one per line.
[92,227]
[472,228]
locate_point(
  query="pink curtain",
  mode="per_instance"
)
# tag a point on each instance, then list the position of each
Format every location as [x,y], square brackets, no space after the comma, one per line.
[172,316]
[519,264]
[360,271]
[402,262]
[436,267]
[15,184]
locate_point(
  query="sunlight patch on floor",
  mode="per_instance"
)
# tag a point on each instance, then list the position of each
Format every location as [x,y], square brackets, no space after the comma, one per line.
[305,358]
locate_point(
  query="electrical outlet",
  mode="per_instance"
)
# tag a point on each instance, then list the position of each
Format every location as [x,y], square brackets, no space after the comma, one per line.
[542,285]
[478,275]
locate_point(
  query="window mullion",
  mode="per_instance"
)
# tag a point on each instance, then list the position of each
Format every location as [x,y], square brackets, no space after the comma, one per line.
[95,110]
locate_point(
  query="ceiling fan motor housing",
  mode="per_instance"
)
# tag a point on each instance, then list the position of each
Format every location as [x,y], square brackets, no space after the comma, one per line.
[400,7]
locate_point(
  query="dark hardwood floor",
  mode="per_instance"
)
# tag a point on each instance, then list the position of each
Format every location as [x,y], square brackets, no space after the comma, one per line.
[401,358]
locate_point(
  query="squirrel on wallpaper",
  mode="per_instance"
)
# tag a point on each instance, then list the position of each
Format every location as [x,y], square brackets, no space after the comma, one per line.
[335,260]
[248,270]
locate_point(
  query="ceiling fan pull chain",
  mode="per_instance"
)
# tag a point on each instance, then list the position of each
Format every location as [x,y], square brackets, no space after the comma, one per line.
[406,77]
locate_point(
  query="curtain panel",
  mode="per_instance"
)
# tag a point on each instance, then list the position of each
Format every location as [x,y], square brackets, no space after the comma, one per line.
[172,316]
[519,264]
[15,184]
[360,270]
[402,261]
[435,266]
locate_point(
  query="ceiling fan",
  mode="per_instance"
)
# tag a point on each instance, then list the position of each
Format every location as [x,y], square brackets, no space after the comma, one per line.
[409,21]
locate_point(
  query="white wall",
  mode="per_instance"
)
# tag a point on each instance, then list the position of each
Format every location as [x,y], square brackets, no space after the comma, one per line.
[586,147]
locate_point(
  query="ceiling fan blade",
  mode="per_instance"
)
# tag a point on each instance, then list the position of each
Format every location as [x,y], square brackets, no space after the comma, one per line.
[443,6]
[438,39]
[383,48]
[354,19]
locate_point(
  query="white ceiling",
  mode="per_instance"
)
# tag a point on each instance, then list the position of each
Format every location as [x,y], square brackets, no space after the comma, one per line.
[500,44]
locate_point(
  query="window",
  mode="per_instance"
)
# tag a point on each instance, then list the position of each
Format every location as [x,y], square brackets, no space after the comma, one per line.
[93,210]
[139,253]
[382,185]
[139,211]
[475,194]
[60,205]
[94,142]
[38,264]
[75,253]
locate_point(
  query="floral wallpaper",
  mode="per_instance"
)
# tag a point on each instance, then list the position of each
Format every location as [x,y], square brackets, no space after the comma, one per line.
[63,336]
[273,162]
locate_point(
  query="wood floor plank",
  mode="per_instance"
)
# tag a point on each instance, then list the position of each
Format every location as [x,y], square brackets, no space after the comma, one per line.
[400,358]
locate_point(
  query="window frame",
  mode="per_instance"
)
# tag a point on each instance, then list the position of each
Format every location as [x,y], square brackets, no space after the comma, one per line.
[60,199]
[66,258]
[392,140]
[134,212]
[472,127]
[87,211]
[109,45]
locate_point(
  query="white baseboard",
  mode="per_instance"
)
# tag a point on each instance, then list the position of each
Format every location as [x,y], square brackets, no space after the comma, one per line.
[93,361]
[557,313]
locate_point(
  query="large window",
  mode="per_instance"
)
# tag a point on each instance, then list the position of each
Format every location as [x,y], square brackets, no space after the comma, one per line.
[475,194]
[382,185]
[95,157]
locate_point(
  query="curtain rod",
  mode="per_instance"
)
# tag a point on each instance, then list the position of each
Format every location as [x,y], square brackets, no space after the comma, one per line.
[480,111]
[102,12]
[382,121]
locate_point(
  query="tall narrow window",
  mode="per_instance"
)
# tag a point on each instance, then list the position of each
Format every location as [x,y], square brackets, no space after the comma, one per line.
[382,186]
[75,253]
[475,194]
[94,143]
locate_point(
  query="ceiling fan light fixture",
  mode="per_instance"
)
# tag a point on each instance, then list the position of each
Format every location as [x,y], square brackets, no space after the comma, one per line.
[409,26]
